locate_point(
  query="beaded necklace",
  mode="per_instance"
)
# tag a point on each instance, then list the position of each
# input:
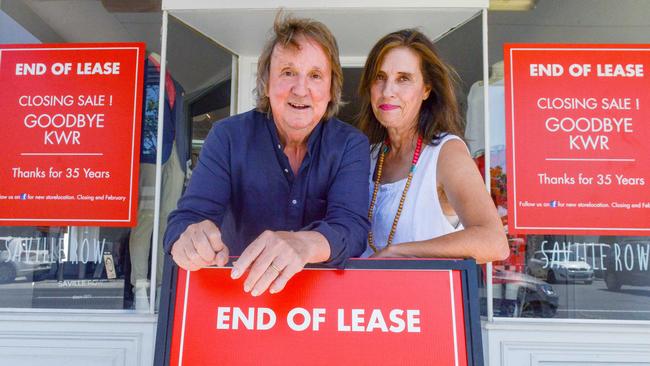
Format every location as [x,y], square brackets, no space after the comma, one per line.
[380,164]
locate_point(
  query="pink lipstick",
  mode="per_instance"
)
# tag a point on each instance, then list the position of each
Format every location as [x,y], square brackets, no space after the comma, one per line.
[388,107]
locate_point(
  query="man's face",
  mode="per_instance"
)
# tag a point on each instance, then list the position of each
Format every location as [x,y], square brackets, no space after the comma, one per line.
[299,86]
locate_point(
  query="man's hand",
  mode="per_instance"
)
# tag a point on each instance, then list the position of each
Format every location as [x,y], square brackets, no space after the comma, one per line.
[276,256]
[200,246]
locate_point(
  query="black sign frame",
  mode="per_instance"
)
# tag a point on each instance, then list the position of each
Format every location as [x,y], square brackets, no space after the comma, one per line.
[469,280]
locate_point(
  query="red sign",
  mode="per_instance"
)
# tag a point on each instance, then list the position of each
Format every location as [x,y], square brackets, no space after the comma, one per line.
[71,133]
[325,317]
[578,133]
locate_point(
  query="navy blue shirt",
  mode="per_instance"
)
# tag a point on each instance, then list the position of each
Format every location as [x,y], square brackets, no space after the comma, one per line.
[244,184]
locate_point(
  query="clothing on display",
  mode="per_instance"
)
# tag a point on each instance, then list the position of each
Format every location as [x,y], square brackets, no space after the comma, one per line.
[422,216]
[175,128]
[175,151]
[474,134]
[140,239]
[475,128]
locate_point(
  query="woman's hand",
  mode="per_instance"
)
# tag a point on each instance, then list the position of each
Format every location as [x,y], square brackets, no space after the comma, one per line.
[383,253]
[391,251]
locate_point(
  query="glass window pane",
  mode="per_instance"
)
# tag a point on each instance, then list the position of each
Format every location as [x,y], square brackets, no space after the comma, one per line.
[64,267]
[105,267]
[202,74]
[565,276]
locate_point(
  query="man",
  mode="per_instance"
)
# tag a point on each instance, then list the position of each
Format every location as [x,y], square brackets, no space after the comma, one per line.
[283,185]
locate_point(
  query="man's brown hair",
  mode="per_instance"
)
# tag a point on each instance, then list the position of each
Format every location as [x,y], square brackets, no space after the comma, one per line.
[285,31]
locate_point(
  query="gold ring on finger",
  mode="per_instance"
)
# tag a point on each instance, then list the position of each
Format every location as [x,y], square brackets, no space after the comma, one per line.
[275,267]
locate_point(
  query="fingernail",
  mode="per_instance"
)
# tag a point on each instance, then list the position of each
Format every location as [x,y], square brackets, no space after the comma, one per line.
[247,288]
[255,293]
[234,274]
[272,290]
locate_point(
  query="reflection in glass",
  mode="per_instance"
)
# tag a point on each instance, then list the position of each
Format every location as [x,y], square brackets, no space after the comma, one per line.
[63,267]
[589,277]
[583,277]
[517,294]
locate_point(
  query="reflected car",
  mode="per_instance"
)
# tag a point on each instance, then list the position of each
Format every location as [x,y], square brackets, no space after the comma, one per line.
[17,259]
[560,266]
[595,254]
[517,294]
[628,263]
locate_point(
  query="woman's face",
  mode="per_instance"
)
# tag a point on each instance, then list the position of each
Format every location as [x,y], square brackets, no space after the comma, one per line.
[398,90]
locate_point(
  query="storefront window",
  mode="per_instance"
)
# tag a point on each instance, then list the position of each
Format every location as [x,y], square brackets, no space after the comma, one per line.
[584,277]
[72,267]
[562,276]
[546,276]
[65,267]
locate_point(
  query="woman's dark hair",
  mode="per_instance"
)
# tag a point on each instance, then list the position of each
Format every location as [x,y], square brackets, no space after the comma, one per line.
[439,113]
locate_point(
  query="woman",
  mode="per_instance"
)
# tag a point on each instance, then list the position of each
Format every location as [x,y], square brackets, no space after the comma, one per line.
[427,196]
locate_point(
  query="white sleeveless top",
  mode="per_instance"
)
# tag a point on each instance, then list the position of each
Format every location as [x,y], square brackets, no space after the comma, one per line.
[422,217]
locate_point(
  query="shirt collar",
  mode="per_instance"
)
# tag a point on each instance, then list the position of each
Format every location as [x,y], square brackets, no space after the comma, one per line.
[311,140]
